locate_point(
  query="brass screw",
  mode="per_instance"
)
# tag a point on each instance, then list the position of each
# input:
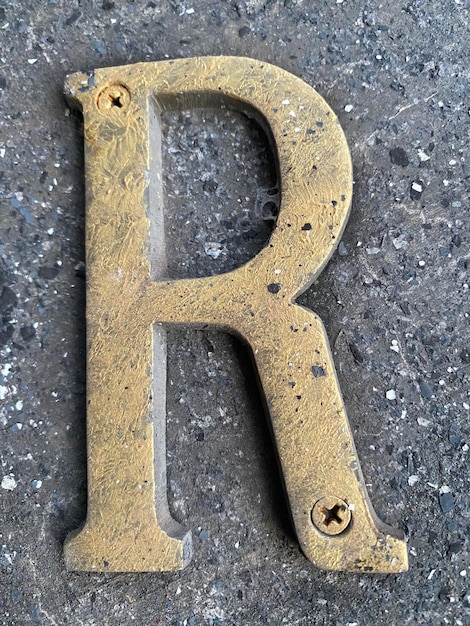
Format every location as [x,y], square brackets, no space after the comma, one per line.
[331,515]
[113,99]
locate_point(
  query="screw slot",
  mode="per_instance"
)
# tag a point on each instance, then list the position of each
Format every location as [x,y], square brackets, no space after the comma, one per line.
[331,515]
[113,98]
[116,101]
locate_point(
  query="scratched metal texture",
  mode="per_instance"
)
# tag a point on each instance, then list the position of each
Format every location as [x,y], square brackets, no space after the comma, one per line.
[131,302]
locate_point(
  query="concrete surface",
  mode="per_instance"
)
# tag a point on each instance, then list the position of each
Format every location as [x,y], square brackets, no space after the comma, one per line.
[395,300]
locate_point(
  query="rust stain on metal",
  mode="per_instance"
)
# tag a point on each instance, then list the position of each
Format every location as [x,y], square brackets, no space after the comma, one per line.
[130,302]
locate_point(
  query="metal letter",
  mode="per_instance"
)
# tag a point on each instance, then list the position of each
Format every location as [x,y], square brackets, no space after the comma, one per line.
[130,301]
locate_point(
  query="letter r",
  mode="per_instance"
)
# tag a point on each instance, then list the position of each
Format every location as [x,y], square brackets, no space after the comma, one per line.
[129,303]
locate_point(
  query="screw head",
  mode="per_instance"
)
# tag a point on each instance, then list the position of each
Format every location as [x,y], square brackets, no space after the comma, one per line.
[331,515]
[113,99]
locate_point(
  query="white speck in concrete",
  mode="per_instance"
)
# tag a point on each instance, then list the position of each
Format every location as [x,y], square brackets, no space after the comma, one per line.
[400,242]
[391,394]
[395,347]
[213,249]
[423,156]
[8,483]
[348,108]
[5,370]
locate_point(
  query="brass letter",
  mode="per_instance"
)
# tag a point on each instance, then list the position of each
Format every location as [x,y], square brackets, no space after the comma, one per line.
[128,525]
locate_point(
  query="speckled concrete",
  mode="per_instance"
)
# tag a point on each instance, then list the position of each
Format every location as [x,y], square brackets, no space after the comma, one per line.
[395,300]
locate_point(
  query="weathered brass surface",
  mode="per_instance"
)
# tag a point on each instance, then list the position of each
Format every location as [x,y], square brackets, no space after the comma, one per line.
[131,299]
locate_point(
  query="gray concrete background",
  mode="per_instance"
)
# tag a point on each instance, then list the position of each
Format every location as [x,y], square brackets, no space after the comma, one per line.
[395,300]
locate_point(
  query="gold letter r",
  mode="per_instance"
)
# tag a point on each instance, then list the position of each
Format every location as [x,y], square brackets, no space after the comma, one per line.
[128,525]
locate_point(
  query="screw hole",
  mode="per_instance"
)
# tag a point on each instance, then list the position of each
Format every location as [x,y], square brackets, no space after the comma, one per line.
[333,515]
[113,98]
[115,101]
